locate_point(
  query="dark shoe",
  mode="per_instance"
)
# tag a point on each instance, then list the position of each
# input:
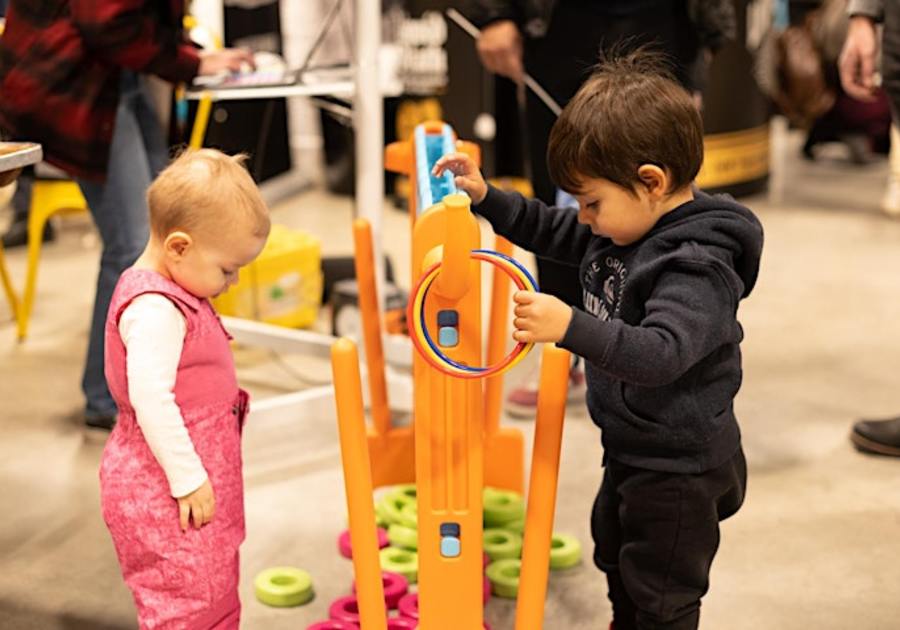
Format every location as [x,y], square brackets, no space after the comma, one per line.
[102,421]
[859,147]
[877,436]
[807,151]
[17,234]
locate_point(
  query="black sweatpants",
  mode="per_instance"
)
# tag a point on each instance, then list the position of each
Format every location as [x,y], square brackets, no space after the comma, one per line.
[655,536]
[562,60]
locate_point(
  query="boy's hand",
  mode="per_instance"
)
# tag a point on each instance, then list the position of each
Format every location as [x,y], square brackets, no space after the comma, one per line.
[201,504]
[467,176]
[540,317]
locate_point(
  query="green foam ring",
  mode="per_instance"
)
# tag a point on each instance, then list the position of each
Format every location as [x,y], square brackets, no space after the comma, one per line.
[390,505]
[502,507]
[565,551]
[409,516]
[380,521]
[502,543]
[403,537]
[504,577]
[517,526]
[401,561]
[283,587]
[406,490]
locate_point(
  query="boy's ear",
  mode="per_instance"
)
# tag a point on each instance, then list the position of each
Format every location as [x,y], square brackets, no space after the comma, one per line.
[654,178]
[176,244]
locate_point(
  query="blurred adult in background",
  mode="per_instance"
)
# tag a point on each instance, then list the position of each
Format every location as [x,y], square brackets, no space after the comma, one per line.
[797,67]
[70,79]
[858,77]
[17,232]
[863,125]
[557,42]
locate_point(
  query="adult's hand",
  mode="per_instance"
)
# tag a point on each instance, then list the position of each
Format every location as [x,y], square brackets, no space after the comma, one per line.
[857,61]
[225,60]
[500,49]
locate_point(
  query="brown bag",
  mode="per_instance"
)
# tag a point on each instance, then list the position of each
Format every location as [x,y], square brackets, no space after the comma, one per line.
[802,92]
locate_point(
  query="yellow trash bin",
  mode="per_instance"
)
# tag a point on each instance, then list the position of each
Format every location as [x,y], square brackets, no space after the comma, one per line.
[283,286]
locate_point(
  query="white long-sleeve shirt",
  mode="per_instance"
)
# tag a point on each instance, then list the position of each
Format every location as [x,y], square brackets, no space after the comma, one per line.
[153,329]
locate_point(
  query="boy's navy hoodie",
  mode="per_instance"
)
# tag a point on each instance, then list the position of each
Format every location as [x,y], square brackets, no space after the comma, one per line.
[659,329]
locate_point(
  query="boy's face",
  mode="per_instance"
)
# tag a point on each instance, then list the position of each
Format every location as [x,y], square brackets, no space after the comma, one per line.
[615,212]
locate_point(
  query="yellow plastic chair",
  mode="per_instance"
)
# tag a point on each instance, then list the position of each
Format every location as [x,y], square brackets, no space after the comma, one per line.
[8,287]
[49,197]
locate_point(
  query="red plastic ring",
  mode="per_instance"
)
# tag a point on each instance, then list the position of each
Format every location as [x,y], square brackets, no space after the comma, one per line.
[346,549]
[345,609]
[409,606]
[395,586]
[332,624]
[402,623]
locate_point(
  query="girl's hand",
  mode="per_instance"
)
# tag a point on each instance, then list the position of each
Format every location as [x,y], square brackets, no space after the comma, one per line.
[540,317]
[201,504]
[468,177]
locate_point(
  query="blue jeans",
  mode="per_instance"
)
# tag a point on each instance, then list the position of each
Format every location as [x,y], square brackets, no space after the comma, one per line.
[119,208]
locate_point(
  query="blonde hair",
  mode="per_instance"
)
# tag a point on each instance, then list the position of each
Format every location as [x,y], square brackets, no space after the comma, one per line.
[205,188]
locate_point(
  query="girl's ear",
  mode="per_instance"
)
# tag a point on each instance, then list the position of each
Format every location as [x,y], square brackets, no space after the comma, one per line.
[176,245]
[654,178]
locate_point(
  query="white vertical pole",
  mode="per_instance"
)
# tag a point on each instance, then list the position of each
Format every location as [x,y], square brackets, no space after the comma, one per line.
[210,14]
[368,126]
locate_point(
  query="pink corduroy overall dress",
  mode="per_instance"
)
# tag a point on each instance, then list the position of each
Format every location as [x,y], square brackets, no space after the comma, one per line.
[183,580]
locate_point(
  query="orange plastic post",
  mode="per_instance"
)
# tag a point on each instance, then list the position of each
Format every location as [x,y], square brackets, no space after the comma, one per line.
[542,489]
[449,431]
[358,484]
[364,261]
[453,278]
[471,149]
[433,126]
[497,341]
[398,158]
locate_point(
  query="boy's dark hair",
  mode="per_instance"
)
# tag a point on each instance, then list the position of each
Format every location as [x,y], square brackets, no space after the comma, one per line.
[630,112]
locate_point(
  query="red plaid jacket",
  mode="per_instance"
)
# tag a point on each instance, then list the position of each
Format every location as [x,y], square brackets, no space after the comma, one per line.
[60,62]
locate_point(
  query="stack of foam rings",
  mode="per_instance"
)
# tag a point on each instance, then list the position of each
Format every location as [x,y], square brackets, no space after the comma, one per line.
[425,344]
[397,510]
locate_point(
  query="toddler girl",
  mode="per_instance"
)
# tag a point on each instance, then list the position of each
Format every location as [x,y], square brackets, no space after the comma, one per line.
[170,477]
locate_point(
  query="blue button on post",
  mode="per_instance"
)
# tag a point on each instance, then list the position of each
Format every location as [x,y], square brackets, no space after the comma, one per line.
[450,547]
[448,337]
[448,318]
[450,529]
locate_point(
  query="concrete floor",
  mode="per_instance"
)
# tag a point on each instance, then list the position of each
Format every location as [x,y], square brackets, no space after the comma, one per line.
[816,545]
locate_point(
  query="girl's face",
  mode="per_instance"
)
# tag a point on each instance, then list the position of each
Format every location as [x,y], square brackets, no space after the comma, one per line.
[207,267]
